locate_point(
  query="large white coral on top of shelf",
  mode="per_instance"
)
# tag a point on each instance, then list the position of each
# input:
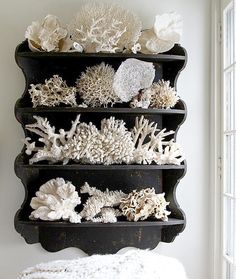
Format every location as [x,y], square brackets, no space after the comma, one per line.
[95,86]
[103,27]
[143,204]
[52,93]
[56,200]
[48,35]
[100,206]
[167,31]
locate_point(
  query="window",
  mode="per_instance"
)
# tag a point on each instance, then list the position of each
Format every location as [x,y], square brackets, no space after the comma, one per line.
[228,136]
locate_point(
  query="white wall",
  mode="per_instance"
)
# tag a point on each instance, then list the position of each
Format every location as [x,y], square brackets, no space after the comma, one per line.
[191,247]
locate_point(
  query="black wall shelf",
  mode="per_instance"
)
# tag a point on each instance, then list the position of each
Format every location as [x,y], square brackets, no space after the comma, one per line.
[94,237]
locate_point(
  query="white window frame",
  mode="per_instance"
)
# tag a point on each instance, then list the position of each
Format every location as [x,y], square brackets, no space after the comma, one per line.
[216,142]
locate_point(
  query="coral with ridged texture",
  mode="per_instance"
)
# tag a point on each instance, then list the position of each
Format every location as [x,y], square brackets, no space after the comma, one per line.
[56,200]
[144,204]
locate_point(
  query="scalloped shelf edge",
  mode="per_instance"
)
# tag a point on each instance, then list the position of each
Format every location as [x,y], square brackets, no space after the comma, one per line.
[91,237]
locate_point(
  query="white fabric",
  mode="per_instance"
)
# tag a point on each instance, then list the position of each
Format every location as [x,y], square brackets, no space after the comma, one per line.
[134,264]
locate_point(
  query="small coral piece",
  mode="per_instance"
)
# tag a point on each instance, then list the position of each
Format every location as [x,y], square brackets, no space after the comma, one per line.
[160,95]
[148,140]
[56,200]
[162,37]
[95,86]
[132,76]
[100,27]
[52,93]
[144,204]
[48,35]
[99,207]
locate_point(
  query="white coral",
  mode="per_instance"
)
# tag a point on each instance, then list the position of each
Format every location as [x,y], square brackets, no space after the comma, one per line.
[148,140]
[160,95]
[95,86]
[99,207]
[56,200]
[48,35]
[143,204]
[132,76]
[102,27]
[166,31]
[84,143]
[52,93]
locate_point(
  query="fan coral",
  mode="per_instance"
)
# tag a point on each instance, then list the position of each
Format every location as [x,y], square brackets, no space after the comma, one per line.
[56,200]
[47,35]
[100,27]
[148,141]
[140,205]
[82,143]
[95,86]
[160,95]
[132,76]
[100,205]
[166,32]
[52,93]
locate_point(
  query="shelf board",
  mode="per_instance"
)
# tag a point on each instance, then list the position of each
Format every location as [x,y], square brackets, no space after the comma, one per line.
[19,163]
[170,222]
[99,110]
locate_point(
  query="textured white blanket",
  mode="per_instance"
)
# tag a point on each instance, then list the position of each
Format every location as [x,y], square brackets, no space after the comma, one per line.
[134,264]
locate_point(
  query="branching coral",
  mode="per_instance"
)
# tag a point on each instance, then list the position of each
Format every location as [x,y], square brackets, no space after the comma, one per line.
[82,143]
[48,35]
[52,93]
[96,86]
[143,204]
[132,76]
[148,140]
[160,95]
[165,33]
[56,200]
[100,27]
[99,207]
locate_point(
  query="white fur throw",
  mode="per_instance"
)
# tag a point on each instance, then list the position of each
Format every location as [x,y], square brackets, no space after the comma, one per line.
[134,264]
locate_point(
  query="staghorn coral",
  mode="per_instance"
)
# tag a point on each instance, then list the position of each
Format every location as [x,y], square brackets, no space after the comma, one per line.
[52,93]
[160,95]
[56,200]
[95,86]
[102,27]
[144,204]
[99,207]
[132,76]
[82,143]
[162,37]
[148,140]
[48,35]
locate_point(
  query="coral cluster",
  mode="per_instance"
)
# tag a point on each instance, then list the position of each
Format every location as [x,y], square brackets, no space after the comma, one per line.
[52,93]
[95,86]
[101,206]
[143,204]
[162,37]
[112,144]
[132,76]
[160,95]
[84,143]
[48,35]
[101,27]
[55,200]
